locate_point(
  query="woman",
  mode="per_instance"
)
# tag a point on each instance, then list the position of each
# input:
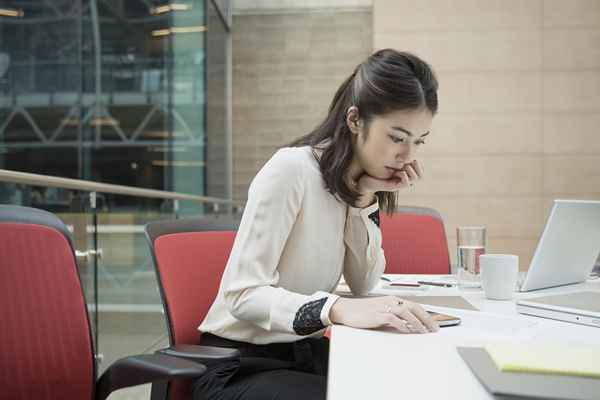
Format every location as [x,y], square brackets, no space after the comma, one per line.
[312,215]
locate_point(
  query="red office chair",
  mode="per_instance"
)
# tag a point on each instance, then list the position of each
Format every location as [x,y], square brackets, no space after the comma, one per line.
[45,340]
[189,257]
[414,242]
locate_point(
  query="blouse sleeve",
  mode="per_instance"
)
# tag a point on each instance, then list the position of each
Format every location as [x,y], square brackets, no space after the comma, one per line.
[250,280]
[364,262]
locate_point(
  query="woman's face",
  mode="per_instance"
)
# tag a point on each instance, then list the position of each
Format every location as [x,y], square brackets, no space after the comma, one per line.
[389,142]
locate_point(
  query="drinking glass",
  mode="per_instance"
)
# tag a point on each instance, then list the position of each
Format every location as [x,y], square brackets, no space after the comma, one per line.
[471,242]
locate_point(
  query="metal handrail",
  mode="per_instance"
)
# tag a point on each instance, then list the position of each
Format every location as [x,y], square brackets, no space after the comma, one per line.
[77,184]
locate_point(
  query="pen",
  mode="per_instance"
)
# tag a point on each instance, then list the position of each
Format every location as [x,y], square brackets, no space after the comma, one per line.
[405,284]
[435,283]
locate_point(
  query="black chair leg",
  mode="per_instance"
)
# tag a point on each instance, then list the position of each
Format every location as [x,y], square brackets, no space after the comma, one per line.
[160,390]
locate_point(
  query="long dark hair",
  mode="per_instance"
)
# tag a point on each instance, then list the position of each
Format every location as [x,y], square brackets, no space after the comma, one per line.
[386,81]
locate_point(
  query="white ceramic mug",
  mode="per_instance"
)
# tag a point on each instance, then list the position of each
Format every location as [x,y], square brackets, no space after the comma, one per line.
[499,273]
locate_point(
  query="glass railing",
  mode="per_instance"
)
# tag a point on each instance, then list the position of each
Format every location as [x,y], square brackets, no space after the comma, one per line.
[115,264]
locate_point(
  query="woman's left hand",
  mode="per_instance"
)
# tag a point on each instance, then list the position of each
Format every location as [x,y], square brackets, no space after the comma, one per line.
[402,179]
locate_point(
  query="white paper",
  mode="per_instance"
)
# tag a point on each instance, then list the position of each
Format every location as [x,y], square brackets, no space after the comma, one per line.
[482,324]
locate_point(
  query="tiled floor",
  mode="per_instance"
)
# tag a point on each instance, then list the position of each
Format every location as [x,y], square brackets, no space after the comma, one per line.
[141,392]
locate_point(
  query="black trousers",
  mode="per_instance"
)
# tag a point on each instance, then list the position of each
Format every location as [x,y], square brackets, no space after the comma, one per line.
[277,371]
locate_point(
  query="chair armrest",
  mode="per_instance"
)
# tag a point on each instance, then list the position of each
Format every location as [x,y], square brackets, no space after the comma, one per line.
[206,355]
[145,368]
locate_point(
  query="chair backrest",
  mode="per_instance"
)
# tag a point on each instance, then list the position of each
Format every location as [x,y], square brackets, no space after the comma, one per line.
[190,256]
[414,242]
[45,339]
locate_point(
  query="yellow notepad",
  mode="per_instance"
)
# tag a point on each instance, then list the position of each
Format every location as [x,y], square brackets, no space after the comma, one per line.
[556,360]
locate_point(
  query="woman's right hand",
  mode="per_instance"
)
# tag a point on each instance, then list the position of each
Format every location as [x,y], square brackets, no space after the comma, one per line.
[406,178]
[374,312]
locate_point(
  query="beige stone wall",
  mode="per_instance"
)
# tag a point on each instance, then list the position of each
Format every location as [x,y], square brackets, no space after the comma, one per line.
[215,111]
[519,121]
[286,68]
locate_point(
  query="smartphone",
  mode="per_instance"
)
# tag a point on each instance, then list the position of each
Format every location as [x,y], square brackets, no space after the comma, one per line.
[444,319]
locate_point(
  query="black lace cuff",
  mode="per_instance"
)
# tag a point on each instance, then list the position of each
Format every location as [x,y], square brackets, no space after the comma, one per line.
[308,317]
[374,216]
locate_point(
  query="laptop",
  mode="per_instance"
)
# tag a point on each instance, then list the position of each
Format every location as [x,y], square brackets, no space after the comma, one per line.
[579,307]
[568,247]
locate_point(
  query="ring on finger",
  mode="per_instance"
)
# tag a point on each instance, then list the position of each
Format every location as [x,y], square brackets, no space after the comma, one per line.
[388,309]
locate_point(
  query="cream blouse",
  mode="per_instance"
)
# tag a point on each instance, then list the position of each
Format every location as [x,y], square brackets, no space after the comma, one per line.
[294,242]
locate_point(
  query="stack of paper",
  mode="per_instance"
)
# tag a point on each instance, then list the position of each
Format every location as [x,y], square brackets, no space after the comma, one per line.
[556,360]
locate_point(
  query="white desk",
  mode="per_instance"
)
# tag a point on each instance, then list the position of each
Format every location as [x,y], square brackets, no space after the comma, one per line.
[373,364]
